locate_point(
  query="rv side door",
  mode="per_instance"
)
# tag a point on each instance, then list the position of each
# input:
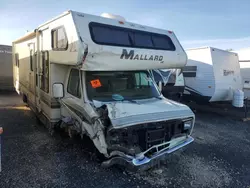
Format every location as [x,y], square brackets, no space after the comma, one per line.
[32,60]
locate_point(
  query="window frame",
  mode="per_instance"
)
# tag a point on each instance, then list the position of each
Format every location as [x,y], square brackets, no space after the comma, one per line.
[91,24]
[17,60]
[88,96]
[80,96]
[52,39]
[42,80]
[31,61]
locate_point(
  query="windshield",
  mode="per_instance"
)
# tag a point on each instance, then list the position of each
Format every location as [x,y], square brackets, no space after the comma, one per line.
[130,85]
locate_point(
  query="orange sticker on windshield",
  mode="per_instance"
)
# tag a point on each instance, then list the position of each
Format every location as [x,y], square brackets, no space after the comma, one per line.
[95,83]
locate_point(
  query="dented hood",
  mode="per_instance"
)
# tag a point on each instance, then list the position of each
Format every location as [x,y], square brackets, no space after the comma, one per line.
[125,113]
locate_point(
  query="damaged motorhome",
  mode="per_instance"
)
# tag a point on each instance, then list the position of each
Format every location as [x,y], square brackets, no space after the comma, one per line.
[90,74]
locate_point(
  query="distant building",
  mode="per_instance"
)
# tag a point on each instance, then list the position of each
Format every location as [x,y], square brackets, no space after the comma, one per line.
[6,70]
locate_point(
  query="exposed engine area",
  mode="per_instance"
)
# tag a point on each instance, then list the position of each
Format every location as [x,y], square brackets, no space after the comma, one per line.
[139,138]
[132,143]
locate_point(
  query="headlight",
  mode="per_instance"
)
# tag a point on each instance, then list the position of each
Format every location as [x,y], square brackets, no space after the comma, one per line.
[188,124]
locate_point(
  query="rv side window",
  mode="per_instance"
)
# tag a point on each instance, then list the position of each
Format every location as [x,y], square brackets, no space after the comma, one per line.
[74,83]
[190,71]
[17,59]
[143,40]
[31,60]
[59,39]
[45,72]
[118,36]
[34,63]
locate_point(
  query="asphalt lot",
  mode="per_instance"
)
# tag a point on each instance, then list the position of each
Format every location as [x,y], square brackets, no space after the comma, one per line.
[219,157]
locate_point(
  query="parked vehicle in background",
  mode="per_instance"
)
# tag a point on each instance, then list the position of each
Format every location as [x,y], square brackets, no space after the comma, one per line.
[6,68]
[212,75]
[1,132]
[89,74]
[244,60]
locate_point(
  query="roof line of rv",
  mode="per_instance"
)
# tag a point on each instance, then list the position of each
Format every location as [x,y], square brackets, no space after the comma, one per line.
[25,37]
[204,47]
[55,18]
[33,33]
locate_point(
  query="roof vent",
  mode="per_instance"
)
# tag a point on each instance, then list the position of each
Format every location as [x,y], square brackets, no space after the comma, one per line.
[113,16]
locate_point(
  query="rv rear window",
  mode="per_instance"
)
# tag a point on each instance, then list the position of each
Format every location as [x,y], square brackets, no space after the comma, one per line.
[119,36]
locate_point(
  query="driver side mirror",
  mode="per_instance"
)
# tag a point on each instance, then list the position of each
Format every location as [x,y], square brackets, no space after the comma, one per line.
[58,90]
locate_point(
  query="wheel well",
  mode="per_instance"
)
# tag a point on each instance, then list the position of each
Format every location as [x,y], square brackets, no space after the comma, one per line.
[25,98]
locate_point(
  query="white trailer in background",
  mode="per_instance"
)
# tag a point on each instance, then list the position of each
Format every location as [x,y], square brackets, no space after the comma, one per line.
[244,60]
[90,75]
[6,68]
[212,75]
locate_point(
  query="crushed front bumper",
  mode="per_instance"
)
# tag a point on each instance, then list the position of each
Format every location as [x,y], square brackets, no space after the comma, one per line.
[141,159]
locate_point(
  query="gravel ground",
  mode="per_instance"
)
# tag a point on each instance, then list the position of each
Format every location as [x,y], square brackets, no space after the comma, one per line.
[219,157]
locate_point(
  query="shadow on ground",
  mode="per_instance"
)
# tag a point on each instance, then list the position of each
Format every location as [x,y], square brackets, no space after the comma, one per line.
[219,157]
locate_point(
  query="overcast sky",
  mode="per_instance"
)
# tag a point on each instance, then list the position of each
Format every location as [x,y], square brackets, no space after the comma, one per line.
[218,23]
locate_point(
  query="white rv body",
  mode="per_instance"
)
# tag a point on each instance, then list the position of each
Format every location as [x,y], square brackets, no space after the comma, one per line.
[72,77]
[212,74]
[244,60]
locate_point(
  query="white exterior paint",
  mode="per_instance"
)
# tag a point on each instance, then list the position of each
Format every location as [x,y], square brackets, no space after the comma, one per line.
[210,80]
[102,57]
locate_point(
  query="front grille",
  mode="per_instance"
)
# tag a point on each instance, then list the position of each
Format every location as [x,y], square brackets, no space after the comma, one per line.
[146,135]
[158,133]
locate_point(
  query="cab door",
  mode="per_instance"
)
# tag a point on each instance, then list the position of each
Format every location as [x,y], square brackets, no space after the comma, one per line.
[74,99]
